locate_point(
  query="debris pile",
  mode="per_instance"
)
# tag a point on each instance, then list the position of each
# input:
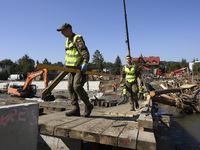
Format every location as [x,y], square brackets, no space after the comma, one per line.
[178,91]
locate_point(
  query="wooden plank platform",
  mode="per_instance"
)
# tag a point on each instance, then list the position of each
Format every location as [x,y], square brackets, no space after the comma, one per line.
[116,126]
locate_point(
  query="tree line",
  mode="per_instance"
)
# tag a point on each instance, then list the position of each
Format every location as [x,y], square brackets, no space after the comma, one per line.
[25,65]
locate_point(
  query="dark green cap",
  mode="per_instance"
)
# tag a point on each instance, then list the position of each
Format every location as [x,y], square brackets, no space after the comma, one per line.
[63,26]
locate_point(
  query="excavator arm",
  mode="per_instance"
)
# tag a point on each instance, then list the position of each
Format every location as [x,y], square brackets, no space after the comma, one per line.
[24,90]
[33,75]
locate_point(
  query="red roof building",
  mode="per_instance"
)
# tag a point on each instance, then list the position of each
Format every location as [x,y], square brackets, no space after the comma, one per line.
[151,60]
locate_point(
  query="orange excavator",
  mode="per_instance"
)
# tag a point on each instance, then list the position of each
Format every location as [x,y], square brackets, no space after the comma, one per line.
[28,89]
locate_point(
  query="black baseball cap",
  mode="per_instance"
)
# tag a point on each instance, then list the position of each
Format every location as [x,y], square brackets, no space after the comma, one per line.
[63,26]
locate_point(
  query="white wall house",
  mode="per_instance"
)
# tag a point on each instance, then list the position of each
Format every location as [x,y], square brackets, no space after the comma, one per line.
[191,65]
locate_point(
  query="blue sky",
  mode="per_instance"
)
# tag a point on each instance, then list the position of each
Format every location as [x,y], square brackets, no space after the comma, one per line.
[169,29]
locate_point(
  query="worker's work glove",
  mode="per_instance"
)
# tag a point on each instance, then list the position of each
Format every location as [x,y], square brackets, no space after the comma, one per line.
[83,68]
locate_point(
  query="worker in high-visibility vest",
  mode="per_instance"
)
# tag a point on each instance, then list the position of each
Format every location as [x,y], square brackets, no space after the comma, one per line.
[141,92]
[77,54]
[130,73]
[124,93]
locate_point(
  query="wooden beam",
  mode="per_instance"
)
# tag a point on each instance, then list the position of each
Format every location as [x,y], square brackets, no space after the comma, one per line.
[172,103]
[70,69]
[158,92]
[53,84]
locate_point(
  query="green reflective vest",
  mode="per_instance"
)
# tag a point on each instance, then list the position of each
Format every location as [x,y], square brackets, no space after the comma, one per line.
[73,57]
[124,91]
[130,74]
[140,90]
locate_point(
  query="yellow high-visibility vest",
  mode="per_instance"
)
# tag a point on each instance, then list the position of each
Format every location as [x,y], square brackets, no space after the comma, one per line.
[124,91]
[73,57]
[140,89]
[130,74]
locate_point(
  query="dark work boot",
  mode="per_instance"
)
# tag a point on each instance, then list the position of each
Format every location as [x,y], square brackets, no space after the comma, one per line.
[74,112]
[88,110]
[136,105]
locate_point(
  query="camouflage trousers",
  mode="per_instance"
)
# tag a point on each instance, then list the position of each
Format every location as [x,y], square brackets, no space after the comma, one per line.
[76,82]
[132,92]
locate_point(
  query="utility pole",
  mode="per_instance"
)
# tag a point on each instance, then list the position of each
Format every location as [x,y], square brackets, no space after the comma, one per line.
[127,41]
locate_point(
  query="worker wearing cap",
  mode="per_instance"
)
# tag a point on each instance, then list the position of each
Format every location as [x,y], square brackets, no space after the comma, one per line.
[130,72]
[77,54]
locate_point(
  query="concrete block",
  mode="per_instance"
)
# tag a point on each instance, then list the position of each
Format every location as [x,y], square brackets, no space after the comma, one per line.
[146,141]
[57,143]
[19,126]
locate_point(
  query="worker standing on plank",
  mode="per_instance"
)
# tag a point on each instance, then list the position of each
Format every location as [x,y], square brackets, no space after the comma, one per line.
[77,54]
[130,72]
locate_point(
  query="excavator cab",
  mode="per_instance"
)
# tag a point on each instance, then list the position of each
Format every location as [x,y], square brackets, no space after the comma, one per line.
[32,90]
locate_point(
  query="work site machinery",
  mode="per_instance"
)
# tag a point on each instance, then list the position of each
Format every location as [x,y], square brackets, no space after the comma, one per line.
[28,89]
[178,72]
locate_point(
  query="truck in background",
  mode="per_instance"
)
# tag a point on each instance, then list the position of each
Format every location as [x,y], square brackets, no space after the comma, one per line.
[14,77]
[157,72]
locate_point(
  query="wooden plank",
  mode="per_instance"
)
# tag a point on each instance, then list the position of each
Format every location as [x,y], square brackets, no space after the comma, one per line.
[47,123]
[53,84]
[120,110]
[69,69]
[111,134]
[90,130]
[128,137]
[146,140]
[64,129]
[145,119]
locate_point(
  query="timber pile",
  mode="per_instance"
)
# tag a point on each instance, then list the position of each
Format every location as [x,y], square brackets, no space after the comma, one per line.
[178,92]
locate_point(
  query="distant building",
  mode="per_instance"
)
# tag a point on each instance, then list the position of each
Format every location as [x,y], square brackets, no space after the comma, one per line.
[4,67]
[191,65]
[151,60]
[108,70]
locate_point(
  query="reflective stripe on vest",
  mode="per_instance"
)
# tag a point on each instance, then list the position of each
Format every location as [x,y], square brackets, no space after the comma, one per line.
[130,74]
[73,57]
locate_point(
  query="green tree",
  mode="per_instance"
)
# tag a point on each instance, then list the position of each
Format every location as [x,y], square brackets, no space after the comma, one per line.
[14,69]
[118,65]
[26,64]
[196,67]
[4,75]
[98,61]
[108,65]
[45,61]
[184,63]
[7,62]
[60,64]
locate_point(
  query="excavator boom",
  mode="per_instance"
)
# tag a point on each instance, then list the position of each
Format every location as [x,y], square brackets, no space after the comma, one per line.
[18,90]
